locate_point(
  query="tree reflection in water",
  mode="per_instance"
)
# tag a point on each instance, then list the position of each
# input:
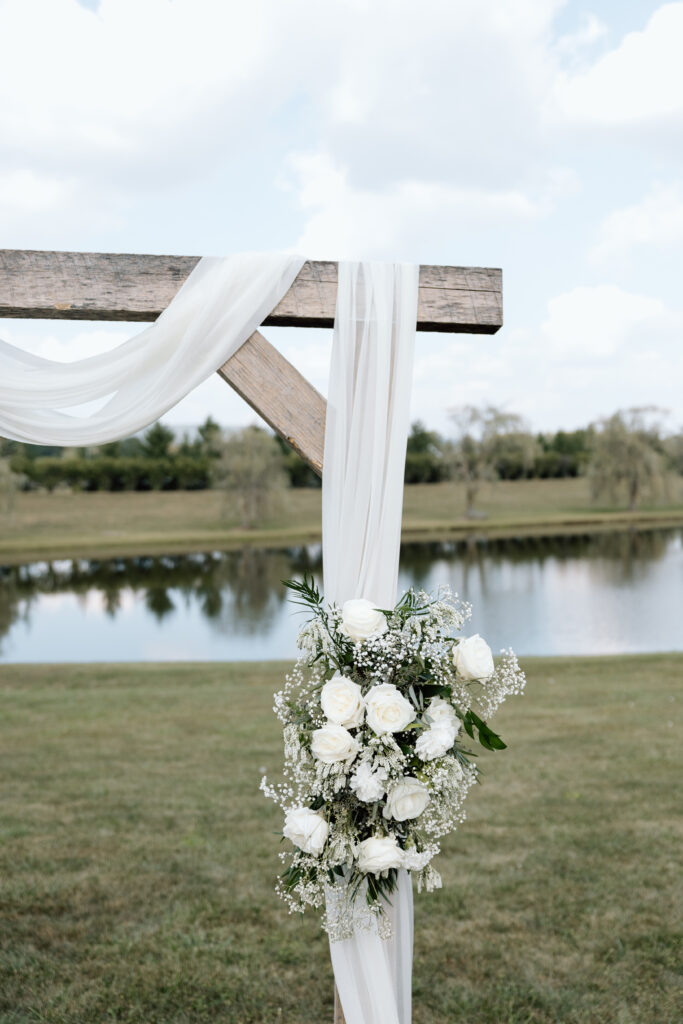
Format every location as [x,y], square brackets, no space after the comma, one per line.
[628,553]
[240,592]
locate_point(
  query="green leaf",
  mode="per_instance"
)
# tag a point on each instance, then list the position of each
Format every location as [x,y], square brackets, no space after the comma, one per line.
[487,737]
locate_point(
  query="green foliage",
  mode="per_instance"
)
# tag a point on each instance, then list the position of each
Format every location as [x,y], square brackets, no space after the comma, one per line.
[513,454]
[489,444]
[9,484]
[110,473]
[298,471]
[673,452]
[627,457]
[484,733]
[250,473]
[157,441]
[425,463]
[564,453]
[210,438]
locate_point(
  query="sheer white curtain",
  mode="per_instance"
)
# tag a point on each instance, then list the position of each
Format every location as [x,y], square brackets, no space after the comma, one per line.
[365,445]
[218,307]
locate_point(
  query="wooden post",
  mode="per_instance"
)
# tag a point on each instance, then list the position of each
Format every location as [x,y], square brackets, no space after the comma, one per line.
[338,1012]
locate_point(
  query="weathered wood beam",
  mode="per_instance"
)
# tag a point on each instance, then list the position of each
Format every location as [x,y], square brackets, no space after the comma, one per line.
[113,286]
[281,395]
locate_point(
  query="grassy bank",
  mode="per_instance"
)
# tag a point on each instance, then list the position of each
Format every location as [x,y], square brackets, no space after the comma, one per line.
[102,524]
[137,855]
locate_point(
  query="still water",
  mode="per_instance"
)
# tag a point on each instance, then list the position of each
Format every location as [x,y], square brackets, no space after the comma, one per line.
[607,593]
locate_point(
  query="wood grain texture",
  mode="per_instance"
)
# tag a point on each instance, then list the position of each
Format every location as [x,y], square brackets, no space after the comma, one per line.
[339,1017]
[281,395]
[114,286]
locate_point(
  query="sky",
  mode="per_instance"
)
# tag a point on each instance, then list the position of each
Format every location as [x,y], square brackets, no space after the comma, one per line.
[540,136]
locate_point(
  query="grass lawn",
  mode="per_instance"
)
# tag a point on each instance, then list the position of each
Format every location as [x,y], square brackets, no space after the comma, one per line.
[137,855]
[100,524]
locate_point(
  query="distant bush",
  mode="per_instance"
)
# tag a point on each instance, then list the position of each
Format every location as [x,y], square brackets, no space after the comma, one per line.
[565,453]
[425,463]
[115,473]
[424,468]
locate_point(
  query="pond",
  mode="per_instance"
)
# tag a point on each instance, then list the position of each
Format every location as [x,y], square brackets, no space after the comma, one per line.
[607,593]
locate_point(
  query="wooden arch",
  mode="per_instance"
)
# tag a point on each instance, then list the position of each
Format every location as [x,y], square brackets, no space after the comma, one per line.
[38,284]
[113,286]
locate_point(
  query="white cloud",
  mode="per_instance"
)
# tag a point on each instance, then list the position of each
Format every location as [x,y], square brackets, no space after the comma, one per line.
[121,85]
[25,191]
[638,83]
[590,30]
[137,96]
[596,321]
[440,92]
[657,220]
[397,219]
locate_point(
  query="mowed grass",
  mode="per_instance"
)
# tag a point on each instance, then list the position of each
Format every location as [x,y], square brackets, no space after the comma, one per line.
[137,854]
[99,524]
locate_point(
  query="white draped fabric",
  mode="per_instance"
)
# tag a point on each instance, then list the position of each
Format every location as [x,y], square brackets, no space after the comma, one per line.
[365,446]
[218,307]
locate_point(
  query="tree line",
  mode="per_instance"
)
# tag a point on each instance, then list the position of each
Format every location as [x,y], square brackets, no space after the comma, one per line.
[624,456]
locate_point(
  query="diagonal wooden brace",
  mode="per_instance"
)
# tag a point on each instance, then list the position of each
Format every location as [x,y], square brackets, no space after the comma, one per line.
[280,395]
[131,287]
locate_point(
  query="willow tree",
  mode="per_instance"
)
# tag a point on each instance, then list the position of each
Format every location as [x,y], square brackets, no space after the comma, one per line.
[484,440]
[250,473]
[627,461]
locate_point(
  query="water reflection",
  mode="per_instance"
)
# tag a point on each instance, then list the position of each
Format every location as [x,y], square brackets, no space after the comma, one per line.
[593,593]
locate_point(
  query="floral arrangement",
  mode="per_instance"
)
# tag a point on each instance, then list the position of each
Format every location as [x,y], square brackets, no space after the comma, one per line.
[378,714]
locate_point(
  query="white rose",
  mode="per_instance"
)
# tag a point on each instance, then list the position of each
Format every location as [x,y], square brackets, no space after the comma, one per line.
[387,710]
[434,742]
[379,854]
[439,710]
[406,799]
[342,701]
[361,619]
[307,829]
[473,659]
[333,743]
[366,784]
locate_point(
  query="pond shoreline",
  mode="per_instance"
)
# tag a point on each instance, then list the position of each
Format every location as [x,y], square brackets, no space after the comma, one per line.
[127,524]
[19,551]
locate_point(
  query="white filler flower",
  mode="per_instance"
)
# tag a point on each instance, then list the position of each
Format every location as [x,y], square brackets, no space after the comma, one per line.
[378,854]
[473,659]
[333,743]
[368,785]
[435,741]
[387,710]
[307,829]
[361,619]
[342,701]
[406,799]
